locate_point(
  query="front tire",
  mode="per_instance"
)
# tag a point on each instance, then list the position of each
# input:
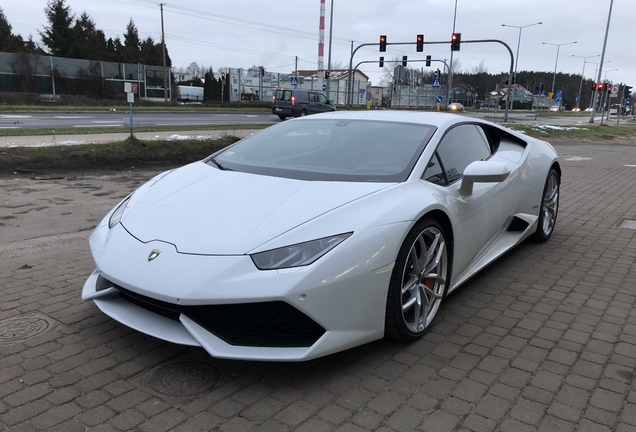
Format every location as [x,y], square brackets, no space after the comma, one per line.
[282,117]
[418,282]
[549,207]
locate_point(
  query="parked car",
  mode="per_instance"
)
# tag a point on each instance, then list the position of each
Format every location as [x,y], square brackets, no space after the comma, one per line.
[322,233]
[297,103]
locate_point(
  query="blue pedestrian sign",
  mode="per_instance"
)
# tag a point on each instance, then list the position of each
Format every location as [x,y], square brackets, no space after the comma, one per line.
[558,96]
[543,94]
[324,87]
[293,81]
[437,82]
[457,91]
[438,99]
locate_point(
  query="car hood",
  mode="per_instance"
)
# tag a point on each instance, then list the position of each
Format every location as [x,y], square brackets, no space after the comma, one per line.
[203,210]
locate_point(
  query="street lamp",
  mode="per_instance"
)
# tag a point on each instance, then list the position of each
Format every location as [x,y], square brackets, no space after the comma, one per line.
[519,41]
[517,55]
[557,58]
[582,74]
[611,70]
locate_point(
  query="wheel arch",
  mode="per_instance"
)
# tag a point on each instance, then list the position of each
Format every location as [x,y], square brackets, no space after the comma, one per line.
[442,218]
[557,167]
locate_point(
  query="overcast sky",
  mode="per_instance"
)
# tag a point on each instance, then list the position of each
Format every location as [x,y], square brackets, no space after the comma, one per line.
[242,33]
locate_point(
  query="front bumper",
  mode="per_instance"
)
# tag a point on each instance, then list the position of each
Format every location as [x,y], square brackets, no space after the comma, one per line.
[232,310]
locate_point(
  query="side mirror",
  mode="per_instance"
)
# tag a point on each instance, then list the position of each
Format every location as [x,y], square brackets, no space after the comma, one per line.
[483,172]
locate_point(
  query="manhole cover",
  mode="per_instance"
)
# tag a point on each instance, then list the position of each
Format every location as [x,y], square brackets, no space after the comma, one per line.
[184,378]
[20,328]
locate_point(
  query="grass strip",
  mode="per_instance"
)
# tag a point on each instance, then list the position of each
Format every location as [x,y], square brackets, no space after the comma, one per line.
[126,129]
[119,155]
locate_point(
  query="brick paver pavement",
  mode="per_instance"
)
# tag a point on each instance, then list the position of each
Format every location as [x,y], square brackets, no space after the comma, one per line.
[542,340]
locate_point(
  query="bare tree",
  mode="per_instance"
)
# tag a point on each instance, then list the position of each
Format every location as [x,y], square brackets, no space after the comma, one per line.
[194,70]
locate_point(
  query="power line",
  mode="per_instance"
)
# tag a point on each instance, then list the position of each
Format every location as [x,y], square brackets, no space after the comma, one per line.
[225,47]
[225,19]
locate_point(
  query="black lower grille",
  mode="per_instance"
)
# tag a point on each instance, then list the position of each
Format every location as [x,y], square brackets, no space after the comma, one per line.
[267,324]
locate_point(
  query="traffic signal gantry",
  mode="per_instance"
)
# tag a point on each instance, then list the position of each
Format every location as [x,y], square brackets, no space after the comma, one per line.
[455,43]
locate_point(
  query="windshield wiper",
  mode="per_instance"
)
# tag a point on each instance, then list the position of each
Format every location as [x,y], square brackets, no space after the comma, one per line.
[219,165]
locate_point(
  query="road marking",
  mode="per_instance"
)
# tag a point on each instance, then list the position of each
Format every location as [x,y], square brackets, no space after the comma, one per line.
[577,158]
[632,166]
[9,127]
[101,125]
[14,116]
[72,117]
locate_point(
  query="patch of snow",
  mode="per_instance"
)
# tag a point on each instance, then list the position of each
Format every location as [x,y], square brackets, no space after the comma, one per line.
[577,158]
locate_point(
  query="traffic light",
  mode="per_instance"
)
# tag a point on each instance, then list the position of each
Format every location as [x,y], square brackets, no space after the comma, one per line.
[381,63]
[405,59]
[261,69]
[420,43]
[593,86]
[382,43]
[456,39]
[600,87]
[223,76]
[428,60]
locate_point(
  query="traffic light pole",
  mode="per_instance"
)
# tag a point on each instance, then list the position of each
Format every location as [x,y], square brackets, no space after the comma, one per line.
[353,53]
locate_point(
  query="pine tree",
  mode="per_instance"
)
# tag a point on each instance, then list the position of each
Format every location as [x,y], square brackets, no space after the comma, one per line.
[90,43]
[131,43]
[58,36]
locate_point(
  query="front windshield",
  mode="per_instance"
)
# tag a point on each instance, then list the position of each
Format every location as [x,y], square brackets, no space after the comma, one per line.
[330,150]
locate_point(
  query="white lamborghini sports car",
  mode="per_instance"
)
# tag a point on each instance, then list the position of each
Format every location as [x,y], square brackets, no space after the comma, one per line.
[321,233]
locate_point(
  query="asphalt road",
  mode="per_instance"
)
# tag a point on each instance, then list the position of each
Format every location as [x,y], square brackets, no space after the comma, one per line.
[542,340]
[36,120]
[121,118]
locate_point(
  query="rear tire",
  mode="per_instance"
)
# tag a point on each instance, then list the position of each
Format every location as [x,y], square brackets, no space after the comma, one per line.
[282,117]
[303,113]
[549,208]
[418,281]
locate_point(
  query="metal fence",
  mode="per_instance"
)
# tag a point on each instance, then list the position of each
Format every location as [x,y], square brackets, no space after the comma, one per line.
[249,83]
[53,76]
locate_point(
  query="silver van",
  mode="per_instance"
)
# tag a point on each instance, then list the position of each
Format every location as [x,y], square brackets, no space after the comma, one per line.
[296,103]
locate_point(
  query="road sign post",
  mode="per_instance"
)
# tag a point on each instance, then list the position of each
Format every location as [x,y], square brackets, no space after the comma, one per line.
[130,89]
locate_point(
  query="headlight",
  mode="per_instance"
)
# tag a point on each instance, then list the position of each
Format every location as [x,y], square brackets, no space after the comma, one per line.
[116,216]
[297,255]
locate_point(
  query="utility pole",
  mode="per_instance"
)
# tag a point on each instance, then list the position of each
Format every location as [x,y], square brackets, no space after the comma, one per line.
[296,71]
[329,57]
[600,67]
[450,67]
[163,49]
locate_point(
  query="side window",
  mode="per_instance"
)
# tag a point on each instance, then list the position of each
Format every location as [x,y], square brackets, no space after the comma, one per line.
[461,146]
[434,173]
[313,97]
[323,99]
